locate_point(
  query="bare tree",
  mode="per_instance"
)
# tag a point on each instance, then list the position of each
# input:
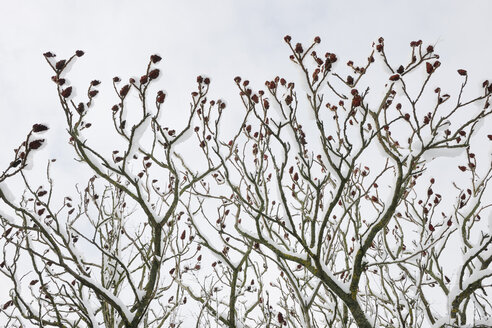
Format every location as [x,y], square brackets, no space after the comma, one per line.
[292,220]
[88,264]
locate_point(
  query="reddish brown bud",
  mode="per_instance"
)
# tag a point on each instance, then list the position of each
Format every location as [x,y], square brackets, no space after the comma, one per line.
[431,227]
[356,101]
[8,304]
[287,38]
[462,72]
[36,144]
[5,234]
[66,92]
[462,168]
[395,77]
[154,74]
[206,81]
[124,90]
[429,68]
[80,108]
[79,53]
[280,318]
[155,58]
[299,48]
[116,79]
[317,39]
[430,49]
[60,64]
[49,54]
[39,128]
[144,79]
[161,97]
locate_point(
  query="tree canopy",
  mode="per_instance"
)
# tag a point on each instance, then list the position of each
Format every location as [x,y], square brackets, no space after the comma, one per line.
[323,202]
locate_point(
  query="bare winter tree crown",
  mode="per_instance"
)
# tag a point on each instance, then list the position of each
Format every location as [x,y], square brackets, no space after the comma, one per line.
[322,207]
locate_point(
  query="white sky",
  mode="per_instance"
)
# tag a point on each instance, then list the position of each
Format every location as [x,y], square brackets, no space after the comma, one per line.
[219,38]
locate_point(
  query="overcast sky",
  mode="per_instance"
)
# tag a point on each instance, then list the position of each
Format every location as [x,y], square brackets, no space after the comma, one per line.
[219,38]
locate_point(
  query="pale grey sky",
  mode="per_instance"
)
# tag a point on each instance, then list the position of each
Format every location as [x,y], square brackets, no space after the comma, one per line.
[218,38]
